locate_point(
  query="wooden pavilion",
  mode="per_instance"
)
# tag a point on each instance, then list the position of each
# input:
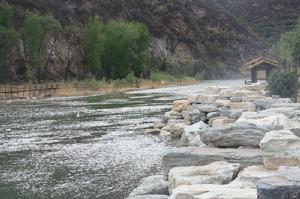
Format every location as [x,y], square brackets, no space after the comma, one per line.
[261,66]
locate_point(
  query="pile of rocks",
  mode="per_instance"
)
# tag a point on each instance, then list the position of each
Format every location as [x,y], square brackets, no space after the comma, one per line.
[240,144]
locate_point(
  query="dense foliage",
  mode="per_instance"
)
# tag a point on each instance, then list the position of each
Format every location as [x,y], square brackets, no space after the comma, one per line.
[38,31]
[282,83]
[116,49]
[8,39]
[111,50]
[287,49]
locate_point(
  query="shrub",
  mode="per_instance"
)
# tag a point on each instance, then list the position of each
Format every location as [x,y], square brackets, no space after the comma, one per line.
[282,83]
[199,76]
[161,76]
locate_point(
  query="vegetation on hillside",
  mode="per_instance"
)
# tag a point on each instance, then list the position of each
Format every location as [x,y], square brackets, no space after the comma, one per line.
[111,50]
[287,51]
[8,39]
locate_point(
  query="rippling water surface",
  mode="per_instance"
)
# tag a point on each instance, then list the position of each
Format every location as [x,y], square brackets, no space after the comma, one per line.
[89,147]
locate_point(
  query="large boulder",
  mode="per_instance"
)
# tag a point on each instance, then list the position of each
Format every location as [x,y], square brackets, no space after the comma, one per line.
[193,116]
[214,173]
[282,148]
[249,176]
[267,120]
[191,136]
[212,191]
[175,130]
[204,98]
[200,156]
[286,185]
[233,135]
[180,105]
[287,111]
[153,185]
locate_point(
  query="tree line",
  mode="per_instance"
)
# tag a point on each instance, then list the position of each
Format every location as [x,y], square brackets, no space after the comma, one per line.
[111,50]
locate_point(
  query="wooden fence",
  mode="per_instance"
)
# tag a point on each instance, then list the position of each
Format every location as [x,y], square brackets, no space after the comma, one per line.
[28,91]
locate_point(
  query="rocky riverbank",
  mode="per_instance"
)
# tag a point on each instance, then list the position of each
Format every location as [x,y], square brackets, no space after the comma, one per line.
[236,143]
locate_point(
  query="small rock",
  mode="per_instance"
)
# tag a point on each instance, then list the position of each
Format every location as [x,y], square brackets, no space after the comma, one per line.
[152,131]
[219,122]
[176,130]
[204,98]
[180,105]
[153,185]
[207,108]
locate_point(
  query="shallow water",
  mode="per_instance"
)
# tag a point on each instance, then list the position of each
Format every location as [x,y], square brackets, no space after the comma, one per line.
[88,147]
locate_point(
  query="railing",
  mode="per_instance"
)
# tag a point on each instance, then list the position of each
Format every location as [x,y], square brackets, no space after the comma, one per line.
[28,91]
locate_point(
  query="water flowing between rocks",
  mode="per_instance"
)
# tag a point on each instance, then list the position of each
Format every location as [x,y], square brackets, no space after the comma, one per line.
[84,147]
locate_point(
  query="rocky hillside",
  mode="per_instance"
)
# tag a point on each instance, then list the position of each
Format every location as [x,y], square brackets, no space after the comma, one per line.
[217,36]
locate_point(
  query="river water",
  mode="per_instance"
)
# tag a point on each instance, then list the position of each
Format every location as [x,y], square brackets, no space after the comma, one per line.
[84,147]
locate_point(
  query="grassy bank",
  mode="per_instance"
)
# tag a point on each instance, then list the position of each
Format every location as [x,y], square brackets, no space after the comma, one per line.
[91,87]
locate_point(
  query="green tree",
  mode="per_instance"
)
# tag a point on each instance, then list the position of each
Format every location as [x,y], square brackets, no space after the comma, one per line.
[287,49]
[38,31]
[93,46]
[8,39]
[126,47]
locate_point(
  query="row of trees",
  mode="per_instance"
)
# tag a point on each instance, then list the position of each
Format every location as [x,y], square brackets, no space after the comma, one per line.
[111,51]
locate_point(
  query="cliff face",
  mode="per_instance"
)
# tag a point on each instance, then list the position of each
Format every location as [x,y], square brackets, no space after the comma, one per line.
[215,35]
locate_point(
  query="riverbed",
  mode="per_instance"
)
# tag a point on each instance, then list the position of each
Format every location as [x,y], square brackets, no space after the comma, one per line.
[84,147]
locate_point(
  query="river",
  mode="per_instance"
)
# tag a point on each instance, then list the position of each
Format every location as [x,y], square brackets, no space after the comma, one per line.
[84,147]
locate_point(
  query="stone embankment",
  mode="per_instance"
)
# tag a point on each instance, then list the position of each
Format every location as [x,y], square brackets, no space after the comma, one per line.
[237,143]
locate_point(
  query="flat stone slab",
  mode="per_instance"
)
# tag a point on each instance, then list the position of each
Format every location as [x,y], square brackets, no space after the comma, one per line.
[200,156]
[214,173]
[212,191]
[150,197]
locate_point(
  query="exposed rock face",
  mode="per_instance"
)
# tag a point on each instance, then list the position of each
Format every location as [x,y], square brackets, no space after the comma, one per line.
[282,149]
[215,173]
[203,155]
[234,135]
[285,185]
[153,185]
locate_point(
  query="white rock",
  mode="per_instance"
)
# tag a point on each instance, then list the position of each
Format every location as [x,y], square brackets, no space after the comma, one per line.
[213,90]
[207,108]
[151,185]
[222,102]
[211,191]
[249,176]
[282,148]
[191,136]
[204,98]
[219,122]
[214,173]
[268,120]
[249,106]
